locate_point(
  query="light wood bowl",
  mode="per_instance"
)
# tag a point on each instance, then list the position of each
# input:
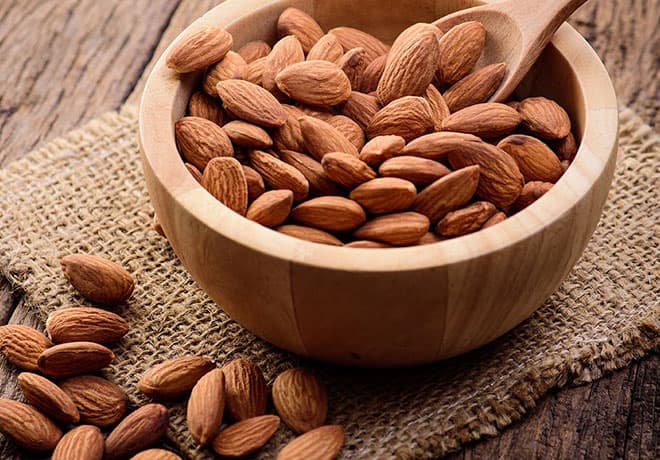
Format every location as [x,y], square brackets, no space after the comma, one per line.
[383,307]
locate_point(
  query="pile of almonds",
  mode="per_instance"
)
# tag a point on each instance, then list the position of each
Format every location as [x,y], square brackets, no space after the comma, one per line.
[69,406]
[337,138]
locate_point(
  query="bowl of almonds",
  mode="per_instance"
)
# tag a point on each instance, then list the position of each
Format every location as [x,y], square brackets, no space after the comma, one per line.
[337,178]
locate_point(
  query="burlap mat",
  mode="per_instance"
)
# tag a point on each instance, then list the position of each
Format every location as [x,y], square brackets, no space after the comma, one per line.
[85,192]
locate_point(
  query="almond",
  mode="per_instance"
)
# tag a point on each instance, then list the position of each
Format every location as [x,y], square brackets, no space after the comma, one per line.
[399,229]
[346,169]
[314,82]
[48,398]
[85,324]
[385,195]
[246,436]
[139,430]
[408,117]
[322,443]
[411,64]
[256,49]
[353,64]
[448,193]
[74,358]
[372,74]
[27,427]
[272,208]
[459,50]
[279,175]
[439,108]
[544,118]
[296,22]
[174,377]
[476,87]
[22,345]
[287,51]
[247,135]
[309,234]
[361,108]
[430,238]
[245,389]
[204,106]
[500,181]
[535,159]
[231,66]
[289,135]
[495,219]
[319,182]
[333,213]
[255,71]
[490,119]
[366,244]
[350,129]
[156,454]
[322,113]
[251,103]
[419,171]
[531,192]
[97,278]
[354,38]
[225,180]
[300,399]
[99,401]
[157,227]
[322,138]
[381,148]
[81,443]
[255,183]
[206,406]
[199,49]
[194,172]
[200,140]
[466,220]
[327,48]
[436,146]
[566,148]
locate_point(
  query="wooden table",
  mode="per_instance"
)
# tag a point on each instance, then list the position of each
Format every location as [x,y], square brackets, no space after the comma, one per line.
[67,61]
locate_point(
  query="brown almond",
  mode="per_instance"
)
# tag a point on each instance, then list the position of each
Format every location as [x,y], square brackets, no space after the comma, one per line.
[322,138]
[247,135]
[194,172]
[350,38]
[500,180]
[255,183]
[246,437]
[199,49]
[430,238]
[251,103]
[245,389]
[202,105]
[360,108]
[174,377]
[327,48]
[97,278]
[319,83]
[323,443]
[279,175]
[366,244]
[300,399]
[287,51]
[354,63]
[381,148]
[349,128]
[398,229]
[85,324]
[490,119]
[48,398]
[319,182]
[535,159]
[513,104]
[83,442]
[289,135]
[255,71]
[531,192]
[156,454]
[74,358]
[332,213]
[439,108]
[272,208]
[566,148]
[313,235]
[296,22]
[448,193]
[419,171]
[436,146]
[22,345]
[346,169]
[322,113]
[372,74]
[225,180]
[466,220]
[410,65]
[385,194]
[27,427]
[141,429]
[408,117]
[99,401]
[545,118]
[200,140]
[206,406]
[254,50]
[231,66]
[495,219]
[459,50]
[476,87]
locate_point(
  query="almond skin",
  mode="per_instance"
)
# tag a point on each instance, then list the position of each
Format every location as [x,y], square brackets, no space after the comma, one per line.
[435,146]
[349,128]
[194,172]
[430,238]
[22,345]
[566,148]
[254,50]
[83,442]
[245,389]
[475,88]
[255,71]
[156,454]
[48,398]
[251,103]
[419,171]
[545,118]
[174,377]
[27,427]
[327,48]
[300,399]
[231,66]
[279,175]
[287,51]
[495,219]
[97,278]
[85,324]
[255,183]
[360,108]
[332,213]
[322,138]
[313,235]
[372,74]
[247,135]
[408,117]
[301,25]
[534,158]
[202,105]
[323,443]
[354,38]
[399,229]
[490,119]
[466,220]
[385,194]
[346,169]
[319,182]
[206,406]
[289,135]
[459,50]
[381,148]
[272,208]
[199,49]
[314,82]
[353,64]
[246,436]
[74,358]
[448,193]
[225,180]
[99,401]
[200,140]
[139,430]
[531,192]
[439,108]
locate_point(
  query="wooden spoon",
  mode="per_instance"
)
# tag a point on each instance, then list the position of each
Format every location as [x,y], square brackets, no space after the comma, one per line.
[517,31]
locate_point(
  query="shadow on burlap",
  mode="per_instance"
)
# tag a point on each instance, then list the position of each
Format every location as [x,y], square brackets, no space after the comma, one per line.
[85,192]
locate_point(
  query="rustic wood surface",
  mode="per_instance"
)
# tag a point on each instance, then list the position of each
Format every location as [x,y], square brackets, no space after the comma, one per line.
[67,61]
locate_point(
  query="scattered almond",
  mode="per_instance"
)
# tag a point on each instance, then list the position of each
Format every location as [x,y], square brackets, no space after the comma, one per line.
[85,324]
[98,279]
[300,400]
[139,430]
[245,389]
[174,377]
[74,358]
[48,398]
[99,401]
[206,406]
[22,345]
[246,437]
[28,427]
[323,443]
[83,442]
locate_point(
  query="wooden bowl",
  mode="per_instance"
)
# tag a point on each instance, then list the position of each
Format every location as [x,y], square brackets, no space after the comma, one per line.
[383,307]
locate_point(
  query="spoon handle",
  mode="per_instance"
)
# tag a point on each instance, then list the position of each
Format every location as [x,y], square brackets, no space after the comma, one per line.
[541,18]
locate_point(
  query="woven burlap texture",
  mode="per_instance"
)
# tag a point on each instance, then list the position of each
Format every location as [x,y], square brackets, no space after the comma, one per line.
[85,192]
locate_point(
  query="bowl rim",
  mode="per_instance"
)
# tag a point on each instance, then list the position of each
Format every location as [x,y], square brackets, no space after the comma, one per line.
[160,154]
